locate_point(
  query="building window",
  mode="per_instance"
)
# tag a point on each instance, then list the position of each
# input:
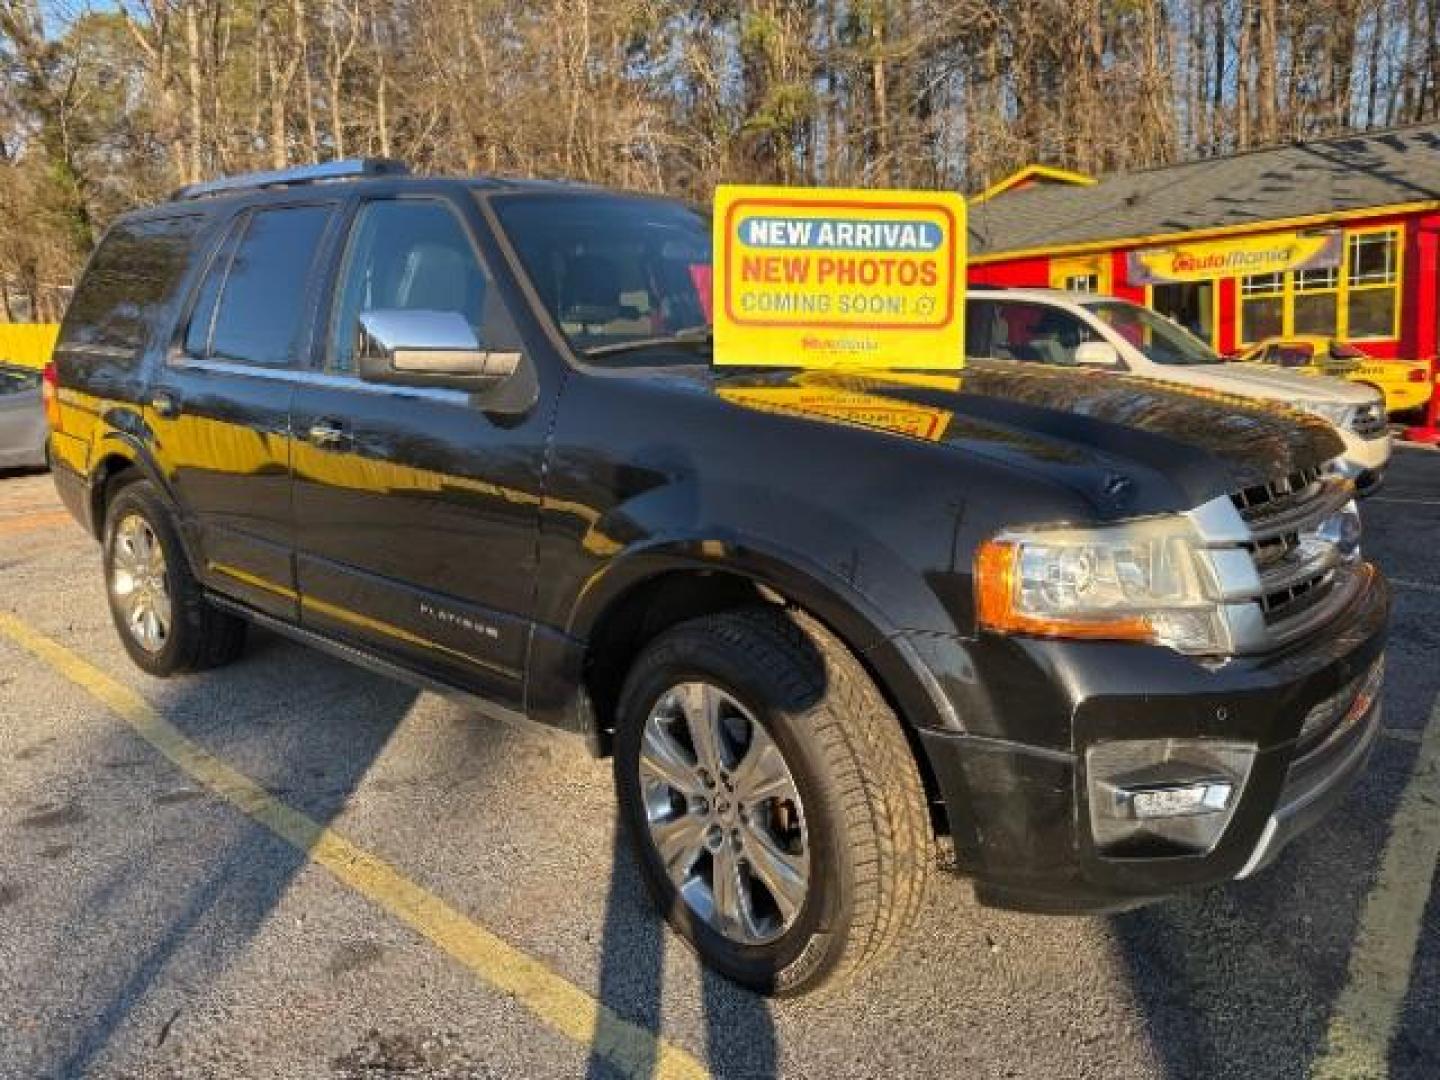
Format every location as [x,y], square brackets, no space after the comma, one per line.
[1357,300]
[1372,274]
[1317,301]
[1262,306]
[1086,283]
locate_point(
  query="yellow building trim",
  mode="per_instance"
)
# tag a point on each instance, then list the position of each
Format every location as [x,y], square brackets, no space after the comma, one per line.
[1065,272]
[1337,217]
[1286,292]
[1034,172]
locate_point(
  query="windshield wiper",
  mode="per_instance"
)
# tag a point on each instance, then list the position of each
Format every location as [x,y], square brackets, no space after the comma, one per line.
[694,337]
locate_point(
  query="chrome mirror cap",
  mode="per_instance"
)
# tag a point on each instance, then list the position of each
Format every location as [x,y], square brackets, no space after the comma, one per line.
[428,348]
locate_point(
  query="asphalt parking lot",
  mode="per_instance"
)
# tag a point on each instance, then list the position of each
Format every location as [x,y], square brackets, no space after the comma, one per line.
[296,868]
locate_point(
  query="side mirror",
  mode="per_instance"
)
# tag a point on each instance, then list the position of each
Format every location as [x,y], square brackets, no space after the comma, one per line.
[1097,354]
[428,348]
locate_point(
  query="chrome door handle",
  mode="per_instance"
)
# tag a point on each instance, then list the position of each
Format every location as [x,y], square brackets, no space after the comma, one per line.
[327,435]
[165,404]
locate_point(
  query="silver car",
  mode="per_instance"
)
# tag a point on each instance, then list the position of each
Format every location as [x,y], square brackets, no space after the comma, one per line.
[22,419]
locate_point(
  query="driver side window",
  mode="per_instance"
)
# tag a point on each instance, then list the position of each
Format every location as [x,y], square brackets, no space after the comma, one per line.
[406,255]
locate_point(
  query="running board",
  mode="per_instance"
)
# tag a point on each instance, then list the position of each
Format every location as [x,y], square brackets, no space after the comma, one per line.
[380,666]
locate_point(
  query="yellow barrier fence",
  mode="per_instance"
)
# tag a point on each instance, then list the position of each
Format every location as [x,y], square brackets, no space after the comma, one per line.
[27,344]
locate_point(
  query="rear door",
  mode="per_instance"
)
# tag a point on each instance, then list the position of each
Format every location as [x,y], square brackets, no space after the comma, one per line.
[220,406]
[417,511]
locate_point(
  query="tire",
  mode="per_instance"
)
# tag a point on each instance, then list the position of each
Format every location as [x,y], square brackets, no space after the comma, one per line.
[196,635]
[861,828]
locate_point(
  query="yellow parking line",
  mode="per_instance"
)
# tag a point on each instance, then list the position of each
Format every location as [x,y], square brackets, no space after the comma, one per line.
[571,1011]
[1368,1012]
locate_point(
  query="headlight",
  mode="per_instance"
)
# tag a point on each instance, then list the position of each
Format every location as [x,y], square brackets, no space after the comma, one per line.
[1140,581]
[1337,413]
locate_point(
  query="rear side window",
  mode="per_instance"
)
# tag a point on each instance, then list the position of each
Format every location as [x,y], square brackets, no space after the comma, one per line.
[130,284]
[252,302]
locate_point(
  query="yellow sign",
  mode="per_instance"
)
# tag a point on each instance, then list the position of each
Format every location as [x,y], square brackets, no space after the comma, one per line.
[1209,259]
[839,279]
[27,344]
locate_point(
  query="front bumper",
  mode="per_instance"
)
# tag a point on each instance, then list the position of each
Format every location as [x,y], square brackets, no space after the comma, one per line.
[1364,461]
[1367,480]
[1018,799]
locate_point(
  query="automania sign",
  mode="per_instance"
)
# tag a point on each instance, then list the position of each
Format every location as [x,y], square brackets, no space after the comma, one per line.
[1205,260]
[837,279]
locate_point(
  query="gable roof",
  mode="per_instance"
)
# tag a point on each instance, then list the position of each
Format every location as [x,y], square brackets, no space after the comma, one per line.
[1351,172]
[1030,176]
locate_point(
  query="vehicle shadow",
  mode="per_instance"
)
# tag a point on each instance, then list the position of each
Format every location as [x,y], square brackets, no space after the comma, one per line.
[182,907]
[1243,979]
[740,1038]
[181,903]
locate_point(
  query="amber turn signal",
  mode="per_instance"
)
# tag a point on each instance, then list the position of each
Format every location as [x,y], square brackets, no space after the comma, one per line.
[995,604]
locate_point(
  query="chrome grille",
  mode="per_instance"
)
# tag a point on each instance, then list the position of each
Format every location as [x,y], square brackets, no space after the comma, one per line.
[1278,573]
[1369,420]
[1296,569]
[1259,500]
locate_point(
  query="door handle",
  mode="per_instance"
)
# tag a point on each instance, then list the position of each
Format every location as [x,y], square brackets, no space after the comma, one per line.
[165,404]
[328,434]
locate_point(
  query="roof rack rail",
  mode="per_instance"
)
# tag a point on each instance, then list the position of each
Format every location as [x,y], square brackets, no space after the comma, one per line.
[349,169]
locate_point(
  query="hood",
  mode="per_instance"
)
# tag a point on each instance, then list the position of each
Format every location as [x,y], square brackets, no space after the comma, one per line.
[1270,383]
[1060,420]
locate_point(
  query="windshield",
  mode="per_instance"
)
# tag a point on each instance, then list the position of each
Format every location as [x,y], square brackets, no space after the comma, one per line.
[1157,337]
[615,271]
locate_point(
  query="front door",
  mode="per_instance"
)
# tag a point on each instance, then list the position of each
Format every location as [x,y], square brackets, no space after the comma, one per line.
[220,406]
[1191,304]
[416,511]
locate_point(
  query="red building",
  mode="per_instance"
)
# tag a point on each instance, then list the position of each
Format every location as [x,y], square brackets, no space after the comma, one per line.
[1337,237]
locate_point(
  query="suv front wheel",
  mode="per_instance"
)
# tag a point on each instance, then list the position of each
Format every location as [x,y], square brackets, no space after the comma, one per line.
[781,822]
[165,623]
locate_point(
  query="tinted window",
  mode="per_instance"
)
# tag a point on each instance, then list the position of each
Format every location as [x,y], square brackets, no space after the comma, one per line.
[1292,355]
[611,270]
[1034,333]
[129,284]
[17,382]
[408,255]
[262,293]
[202,318]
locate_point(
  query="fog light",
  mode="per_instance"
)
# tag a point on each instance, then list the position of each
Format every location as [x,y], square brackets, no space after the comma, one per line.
[1177,801]
[1164,797]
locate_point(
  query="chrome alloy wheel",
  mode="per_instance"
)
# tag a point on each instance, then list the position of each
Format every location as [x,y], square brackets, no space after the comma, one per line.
[137,581]
[724,813]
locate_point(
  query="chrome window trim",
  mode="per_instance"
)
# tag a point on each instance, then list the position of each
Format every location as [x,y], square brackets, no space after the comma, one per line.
[323,379]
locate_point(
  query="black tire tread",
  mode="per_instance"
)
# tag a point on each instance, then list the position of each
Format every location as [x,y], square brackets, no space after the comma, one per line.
[208,637]
[872,771]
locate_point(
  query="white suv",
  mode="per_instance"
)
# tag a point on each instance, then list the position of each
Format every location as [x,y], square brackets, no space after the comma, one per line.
[1051,327]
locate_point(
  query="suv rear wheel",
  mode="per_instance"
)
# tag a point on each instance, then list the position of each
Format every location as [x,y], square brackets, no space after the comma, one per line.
[164,620]
[780,819]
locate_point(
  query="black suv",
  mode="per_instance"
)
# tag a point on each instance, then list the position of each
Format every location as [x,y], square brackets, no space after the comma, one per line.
[1112,640]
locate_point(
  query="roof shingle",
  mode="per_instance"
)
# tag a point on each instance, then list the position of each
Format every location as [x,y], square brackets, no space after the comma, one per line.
[1400,165]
